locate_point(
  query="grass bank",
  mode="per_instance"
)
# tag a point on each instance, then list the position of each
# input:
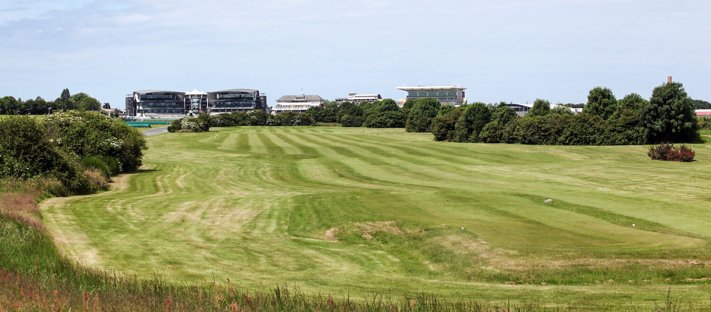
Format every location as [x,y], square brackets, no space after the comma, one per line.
[360,211]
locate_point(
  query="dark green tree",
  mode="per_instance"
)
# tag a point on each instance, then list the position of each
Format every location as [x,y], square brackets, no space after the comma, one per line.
[601,102]
[503,114]
[443,126]
[540,108]
[670,116]
[421,115]
[472,121]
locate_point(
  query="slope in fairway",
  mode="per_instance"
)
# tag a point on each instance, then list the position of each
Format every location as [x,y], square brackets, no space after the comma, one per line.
[355,211]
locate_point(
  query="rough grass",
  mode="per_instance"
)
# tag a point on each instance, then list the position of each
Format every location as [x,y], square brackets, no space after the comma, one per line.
[347,211]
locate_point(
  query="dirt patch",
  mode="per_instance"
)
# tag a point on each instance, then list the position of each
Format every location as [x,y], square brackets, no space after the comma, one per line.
[330,235]
[367,229]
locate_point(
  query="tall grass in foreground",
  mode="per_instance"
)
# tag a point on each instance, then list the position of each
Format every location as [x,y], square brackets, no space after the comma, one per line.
[35,277]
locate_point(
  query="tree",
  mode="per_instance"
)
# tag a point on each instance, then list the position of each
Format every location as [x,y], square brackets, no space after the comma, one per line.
[503,114]
[632,101]
[601,102]
[472,121]
[83,101]
[421,115]
[624,127]
[540,108]
[65,95]
[561,110]
[443,126]
[701,104]
[670,116]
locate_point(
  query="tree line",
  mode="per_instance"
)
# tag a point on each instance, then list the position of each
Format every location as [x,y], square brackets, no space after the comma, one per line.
[39,106]
[668,116]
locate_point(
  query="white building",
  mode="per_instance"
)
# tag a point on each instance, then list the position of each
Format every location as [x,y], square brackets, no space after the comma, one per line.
[359,98]
[447,95]
[297,103]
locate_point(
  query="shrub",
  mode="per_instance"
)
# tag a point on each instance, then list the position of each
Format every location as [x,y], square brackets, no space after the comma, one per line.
[541,129]
[670,115]
[443,126]
[583,129]
[669,152]
[94,162]
[493,132]
[419,118]
[471,122]
[386,119]
[351,121]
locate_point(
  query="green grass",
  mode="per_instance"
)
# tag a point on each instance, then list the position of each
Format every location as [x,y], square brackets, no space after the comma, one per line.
[347,211]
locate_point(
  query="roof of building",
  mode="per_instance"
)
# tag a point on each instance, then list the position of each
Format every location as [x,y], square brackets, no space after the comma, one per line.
[196,92]
[237,90]
[147,91]
[300,98]
[417,88]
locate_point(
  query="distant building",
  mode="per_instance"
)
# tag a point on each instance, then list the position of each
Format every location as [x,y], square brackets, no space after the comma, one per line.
[236,100]
[358,98]
[172,104]
[156,103]
[703,112]
[297,103]
[195,102]
[448,95]
[520,109]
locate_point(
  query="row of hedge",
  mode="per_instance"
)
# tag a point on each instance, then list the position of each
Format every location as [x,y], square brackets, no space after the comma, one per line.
[668,117]
[81,150]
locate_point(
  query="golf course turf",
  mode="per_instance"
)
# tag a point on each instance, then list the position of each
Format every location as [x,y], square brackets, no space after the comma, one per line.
[355,211]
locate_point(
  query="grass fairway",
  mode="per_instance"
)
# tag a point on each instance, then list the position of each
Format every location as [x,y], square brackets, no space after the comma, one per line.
[356,211]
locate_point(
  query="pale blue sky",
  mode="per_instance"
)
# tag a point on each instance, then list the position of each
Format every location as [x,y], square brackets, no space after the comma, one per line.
[505,50]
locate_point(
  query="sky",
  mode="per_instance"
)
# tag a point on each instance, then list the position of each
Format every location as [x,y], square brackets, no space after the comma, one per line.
[500,50]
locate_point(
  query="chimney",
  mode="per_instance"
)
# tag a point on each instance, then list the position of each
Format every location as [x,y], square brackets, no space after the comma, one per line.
[669,80]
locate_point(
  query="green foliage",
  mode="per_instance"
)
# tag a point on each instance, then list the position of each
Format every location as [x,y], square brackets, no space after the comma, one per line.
[385,119]
[562,110]
[540,108]
[420,116]
[493,132]
[541,129]
[701,104]
[472,121]
[83,101]
[383,114]
[39,106]
[351,121]
[601,102]
[624,127]
[503,114]
[582,129]
[443,126]
[190,124]
[290,119]
[29,150]
[85,134]
[670,116]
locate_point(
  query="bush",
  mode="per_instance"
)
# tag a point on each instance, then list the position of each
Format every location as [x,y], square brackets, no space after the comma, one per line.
[419,118]
[493,132]
[351,121]
[386,119]
[669,152]
[94,162]
[444,126]
[541,129]
[583,129]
